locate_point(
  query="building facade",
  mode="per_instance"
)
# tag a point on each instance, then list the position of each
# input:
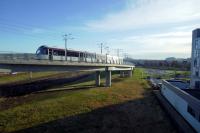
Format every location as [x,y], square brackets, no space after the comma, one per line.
[195,60]
[185,101]
[183,97]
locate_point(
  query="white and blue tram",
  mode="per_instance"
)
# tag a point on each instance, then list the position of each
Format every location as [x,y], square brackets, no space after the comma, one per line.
[50,53]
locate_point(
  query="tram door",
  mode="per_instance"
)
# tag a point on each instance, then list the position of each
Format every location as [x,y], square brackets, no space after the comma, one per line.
[81,56]
[50,54]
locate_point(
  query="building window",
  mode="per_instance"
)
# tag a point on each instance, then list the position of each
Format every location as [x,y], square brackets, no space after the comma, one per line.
[197,85]
[196,54]
[197,44]
[197,73]
[199,118]
[195,63]
[191,111]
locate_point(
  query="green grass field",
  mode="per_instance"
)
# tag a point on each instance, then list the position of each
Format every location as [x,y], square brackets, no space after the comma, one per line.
[24,76]
[127,106]
[168,74]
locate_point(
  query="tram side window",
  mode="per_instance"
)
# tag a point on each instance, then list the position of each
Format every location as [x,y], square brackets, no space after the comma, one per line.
[55,52]
[44,51]
[61,53]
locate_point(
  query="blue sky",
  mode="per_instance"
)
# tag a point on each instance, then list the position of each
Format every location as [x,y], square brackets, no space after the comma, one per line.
[145,29]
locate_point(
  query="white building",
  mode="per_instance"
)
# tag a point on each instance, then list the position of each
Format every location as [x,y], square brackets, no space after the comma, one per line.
[185,101]
[195,60]
[183,97]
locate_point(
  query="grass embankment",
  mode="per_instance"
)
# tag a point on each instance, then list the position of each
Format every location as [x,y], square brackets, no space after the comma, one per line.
[126,106]
[26,77]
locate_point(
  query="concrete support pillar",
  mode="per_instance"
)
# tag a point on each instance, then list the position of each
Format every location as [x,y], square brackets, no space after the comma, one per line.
[97,78]
[79,57]
[122,74]
[30,75]
[108,78]
[130,73]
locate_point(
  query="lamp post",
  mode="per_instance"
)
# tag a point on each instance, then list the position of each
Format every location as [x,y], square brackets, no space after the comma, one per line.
[107,50]
[101,47]
[66,37]
[118,51]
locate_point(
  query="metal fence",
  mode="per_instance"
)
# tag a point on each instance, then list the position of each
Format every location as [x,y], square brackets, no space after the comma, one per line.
[15,56]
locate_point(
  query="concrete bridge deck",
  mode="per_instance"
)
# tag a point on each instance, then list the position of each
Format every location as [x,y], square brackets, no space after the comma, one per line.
[16,63]
[59,63]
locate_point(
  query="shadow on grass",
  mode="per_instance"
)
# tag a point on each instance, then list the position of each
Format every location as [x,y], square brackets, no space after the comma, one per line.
[22,89]
[73,88]
[118,79]
[135,116]
[13,90]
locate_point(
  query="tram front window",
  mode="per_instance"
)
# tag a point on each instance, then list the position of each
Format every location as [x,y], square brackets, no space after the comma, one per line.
[42,51]
[38,51]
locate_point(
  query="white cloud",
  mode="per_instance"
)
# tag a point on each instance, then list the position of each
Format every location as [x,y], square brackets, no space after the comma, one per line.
[188,27]
[38,30]
[142,13]
[168,44]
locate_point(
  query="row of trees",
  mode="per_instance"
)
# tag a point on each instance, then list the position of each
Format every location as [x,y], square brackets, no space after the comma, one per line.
[163,64]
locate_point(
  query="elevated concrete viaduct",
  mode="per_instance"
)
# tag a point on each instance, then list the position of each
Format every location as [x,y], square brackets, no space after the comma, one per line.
[20,65]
